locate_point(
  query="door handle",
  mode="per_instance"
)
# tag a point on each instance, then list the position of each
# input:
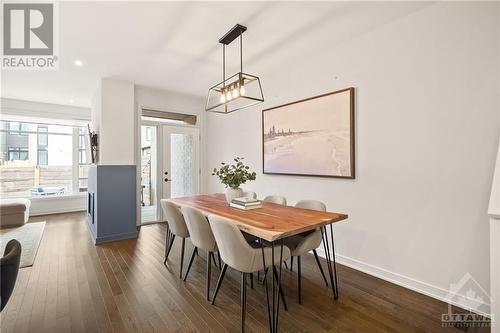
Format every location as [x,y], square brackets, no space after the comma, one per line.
[168,180]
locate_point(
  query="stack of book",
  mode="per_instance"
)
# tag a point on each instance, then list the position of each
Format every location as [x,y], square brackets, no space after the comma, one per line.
[245,203]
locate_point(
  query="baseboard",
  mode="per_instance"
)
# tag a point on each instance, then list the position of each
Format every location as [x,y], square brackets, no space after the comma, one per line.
[403,281]
[57,211]
[115,237]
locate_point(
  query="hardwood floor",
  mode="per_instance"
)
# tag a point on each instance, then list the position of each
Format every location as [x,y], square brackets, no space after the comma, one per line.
[123,286]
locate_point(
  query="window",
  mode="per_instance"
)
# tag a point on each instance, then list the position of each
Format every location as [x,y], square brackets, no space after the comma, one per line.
[16,128]
[148,133]
[43,157]
[18,154]
[42,162]
[82,155]
[82,162]
[42,138]
[43,142]
[13,128]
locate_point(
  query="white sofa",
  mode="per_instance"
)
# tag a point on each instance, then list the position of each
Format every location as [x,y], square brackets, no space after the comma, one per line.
[14,212]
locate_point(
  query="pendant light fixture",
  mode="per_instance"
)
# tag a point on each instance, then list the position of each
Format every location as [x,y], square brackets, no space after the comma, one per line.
[238,91]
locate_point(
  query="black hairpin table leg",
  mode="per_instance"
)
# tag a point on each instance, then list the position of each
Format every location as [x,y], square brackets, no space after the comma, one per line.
[336,288]
[279,286]
[264,281]
[273,309]
[326,247]
[273,314]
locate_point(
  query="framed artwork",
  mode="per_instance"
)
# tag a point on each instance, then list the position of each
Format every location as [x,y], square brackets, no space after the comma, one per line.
[310,137]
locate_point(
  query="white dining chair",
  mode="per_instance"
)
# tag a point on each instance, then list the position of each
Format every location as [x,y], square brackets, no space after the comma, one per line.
[239,255]
[176,227]
[202,238]
[277,199]
[306,242]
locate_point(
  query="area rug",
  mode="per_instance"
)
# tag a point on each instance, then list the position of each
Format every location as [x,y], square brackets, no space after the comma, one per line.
[29,235]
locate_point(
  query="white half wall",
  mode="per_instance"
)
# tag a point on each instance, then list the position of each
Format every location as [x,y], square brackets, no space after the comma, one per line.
[57,205]
[427,125]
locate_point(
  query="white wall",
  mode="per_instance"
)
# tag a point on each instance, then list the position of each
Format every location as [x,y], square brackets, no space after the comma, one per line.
[162,100]
[114,121]
[95,110]
[427,124]
[494,212]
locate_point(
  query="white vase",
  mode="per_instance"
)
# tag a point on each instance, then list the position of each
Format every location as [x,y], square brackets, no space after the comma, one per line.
[232,193]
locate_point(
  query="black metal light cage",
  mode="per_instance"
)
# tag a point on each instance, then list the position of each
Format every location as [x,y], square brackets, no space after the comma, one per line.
[238,91]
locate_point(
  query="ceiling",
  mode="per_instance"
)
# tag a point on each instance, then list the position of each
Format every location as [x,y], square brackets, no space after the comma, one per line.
[174,45]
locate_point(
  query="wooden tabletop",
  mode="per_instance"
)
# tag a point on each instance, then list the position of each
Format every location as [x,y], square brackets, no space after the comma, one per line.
[271,222]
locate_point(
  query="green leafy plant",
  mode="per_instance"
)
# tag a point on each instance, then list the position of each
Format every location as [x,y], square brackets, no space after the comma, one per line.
[233,175]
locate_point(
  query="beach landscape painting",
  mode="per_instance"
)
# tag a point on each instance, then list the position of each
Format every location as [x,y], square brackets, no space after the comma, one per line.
[311,137]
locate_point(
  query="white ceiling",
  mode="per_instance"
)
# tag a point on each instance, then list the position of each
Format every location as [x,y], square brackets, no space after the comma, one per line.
[174,46]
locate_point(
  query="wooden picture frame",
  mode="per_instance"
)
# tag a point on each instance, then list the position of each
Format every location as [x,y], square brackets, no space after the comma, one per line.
[311,137]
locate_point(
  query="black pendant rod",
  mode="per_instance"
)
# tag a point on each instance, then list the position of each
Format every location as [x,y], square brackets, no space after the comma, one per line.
[231,35]
[223,65]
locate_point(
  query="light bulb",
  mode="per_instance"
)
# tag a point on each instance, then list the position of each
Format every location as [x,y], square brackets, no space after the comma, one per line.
[242,90]
[223,98]
[228,96]
[236,92]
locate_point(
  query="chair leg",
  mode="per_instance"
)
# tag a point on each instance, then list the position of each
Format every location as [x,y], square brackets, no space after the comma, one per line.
[213,257]
[280,290]
[167,239]
[299,283]
[190,263]
[291,264]
[169,248]
[251,280]
[182,256]
[220,261]
[209,272]
[243,300]
[219,282]
[320,268]
[286,265]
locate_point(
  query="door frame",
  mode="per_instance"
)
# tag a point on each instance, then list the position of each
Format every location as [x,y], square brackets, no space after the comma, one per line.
[160,159]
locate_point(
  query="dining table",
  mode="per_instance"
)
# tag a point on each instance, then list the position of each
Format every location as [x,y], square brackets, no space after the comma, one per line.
[271,225]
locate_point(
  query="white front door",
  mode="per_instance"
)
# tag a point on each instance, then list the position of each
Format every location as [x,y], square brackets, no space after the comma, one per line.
[180,168]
